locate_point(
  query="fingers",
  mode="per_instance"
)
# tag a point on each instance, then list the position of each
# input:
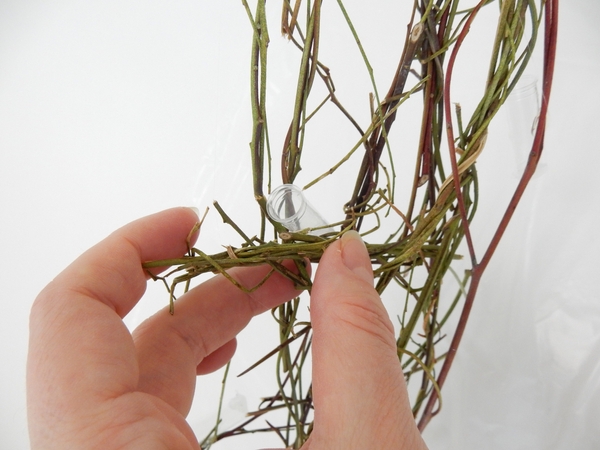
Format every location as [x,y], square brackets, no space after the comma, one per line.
[199,337]
[217,359]
[82,357]
[80,352]
[358,386]
[111,271]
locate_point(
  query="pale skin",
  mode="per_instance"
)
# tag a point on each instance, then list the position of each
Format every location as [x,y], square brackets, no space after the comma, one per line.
[91,384]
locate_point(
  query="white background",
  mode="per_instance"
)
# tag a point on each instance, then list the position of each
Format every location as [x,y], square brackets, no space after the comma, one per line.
[113,110]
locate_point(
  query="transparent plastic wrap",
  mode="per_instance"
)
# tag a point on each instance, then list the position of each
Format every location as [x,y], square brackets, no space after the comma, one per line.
[527,374]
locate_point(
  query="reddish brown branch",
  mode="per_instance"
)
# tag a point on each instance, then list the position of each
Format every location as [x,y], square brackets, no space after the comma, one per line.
[366,184]
[450,131]
[550,33]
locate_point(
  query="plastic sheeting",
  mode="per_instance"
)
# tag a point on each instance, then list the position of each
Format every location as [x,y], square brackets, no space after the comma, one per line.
[97,103]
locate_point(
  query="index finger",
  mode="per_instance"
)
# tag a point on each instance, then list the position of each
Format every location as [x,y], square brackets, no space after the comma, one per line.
[111,271]
[78,345]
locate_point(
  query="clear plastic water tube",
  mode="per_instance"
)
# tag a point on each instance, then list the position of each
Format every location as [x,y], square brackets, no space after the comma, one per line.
[288,206]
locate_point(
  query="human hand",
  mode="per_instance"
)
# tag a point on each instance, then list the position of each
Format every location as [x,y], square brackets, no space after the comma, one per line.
[359,392]
[91,384]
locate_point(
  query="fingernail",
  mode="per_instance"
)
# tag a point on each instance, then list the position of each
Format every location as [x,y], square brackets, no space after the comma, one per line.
[355,256]
[196,210]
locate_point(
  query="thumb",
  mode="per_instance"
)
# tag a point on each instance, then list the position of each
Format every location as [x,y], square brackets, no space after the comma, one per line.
[359,391]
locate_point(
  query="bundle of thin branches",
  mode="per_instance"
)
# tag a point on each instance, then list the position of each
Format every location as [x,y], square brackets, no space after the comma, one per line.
[443,200]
